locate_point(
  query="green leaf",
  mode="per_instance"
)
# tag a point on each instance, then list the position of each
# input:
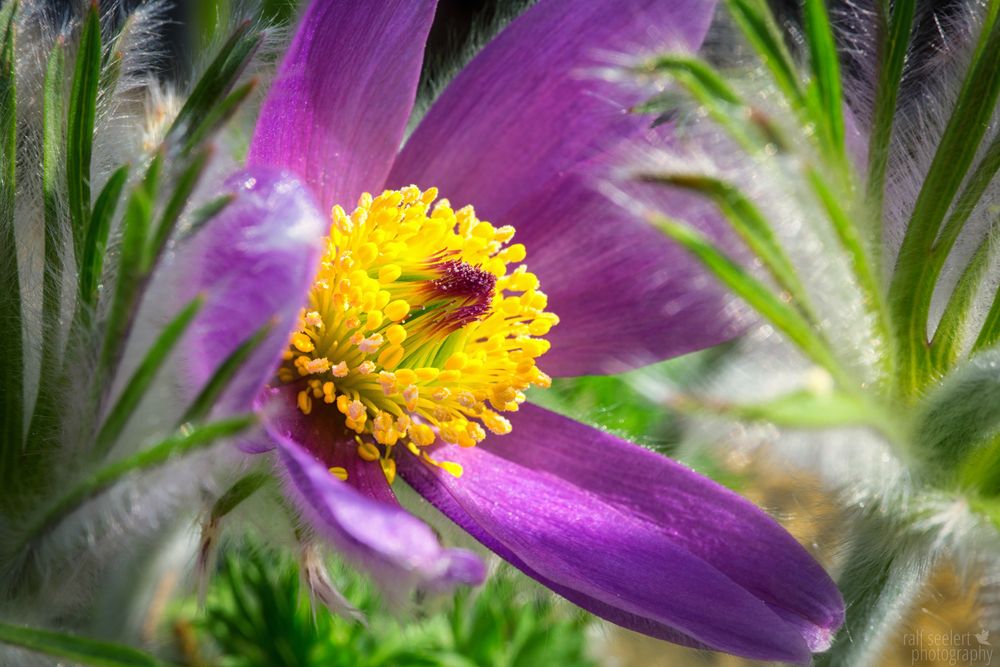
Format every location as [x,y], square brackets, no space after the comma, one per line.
[758,25]
[989,335]
[78,649]
[981,470]
[825,65]
[80,128]
[11,313]
[188,179]
[961,413]
[205,213]
[200,109]
[910,292]
[52,150]
[242,489]
[130,280]
[802,409]
[757,295]
[143,377]
[220,114]
[220,379]
[53,116]
[892,59]
[945,346]
[96,243]
[185,441]
[747,220]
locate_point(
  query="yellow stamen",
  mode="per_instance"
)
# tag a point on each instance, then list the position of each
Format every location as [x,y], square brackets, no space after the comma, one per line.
[422,325]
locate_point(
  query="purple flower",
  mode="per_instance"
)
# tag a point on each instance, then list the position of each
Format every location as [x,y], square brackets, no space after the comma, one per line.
[421,329]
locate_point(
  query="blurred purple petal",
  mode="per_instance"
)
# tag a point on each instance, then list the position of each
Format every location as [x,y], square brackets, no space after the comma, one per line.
[636,537]
[531,104]
[399,549]
[255,262]
[625,295]
[336,113]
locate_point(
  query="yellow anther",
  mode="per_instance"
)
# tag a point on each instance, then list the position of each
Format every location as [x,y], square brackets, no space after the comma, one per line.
[422,435]
[388,274]
[339,473]
[368,451]
[391,356]
[302,343]
[396,334]
[305,402]
[456,361]
[452,468]
[367,253]
[313,319]
[374,320]
[397,310]
[405,376]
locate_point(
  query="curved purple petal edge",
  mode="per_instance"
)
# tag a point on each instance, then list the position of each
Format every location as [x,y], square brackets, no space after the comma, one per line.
[637,538]
[255,261]
[336,112]
[385,539]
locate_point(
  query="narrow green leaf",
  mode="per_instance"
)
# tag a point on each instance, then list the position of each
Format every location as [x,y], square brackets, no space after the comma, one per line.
[849,237]
[78,649]
[220,379]
[893,46]
[747,220]
[757,295]
[989,335]
[220,114]
[949,335]
[96,243]
[54,111]
[758,25]
[185,441]
[825,65]
[53,142]
[711,81]
[11,309]
[242,489]
[130,279]
[218,79]
[206,213]
[80,128]
[909,293]
[143,377]
[186,182]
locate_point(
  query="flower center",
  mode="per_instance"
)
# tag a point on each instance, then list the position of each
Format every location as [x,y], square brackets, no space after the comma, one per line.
[418,328]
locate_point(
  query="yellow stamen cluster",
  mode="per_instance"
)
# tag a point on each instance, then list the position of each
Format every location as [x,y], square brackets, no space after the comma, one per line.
[418,327]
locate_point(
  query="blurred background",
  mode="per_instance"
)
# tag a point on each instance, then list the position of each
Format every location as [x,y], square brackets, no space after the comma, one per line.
[256,611]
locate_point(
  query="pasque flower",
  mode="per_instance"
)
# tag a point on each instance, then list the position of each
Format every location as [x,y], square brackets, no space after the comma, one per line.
[407,329]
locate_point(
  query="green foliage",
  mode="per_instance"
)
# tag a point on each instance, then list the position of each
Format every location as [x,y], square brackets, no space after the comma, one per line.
[258,614]
[78,649]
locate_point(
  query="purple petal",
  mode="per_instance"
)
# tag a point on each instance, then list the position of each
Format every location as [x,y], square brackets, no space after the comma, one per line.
[624,294]
[336,113]
[522,133]
[531,105]
[399,549]
[636,538]
[256,262]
